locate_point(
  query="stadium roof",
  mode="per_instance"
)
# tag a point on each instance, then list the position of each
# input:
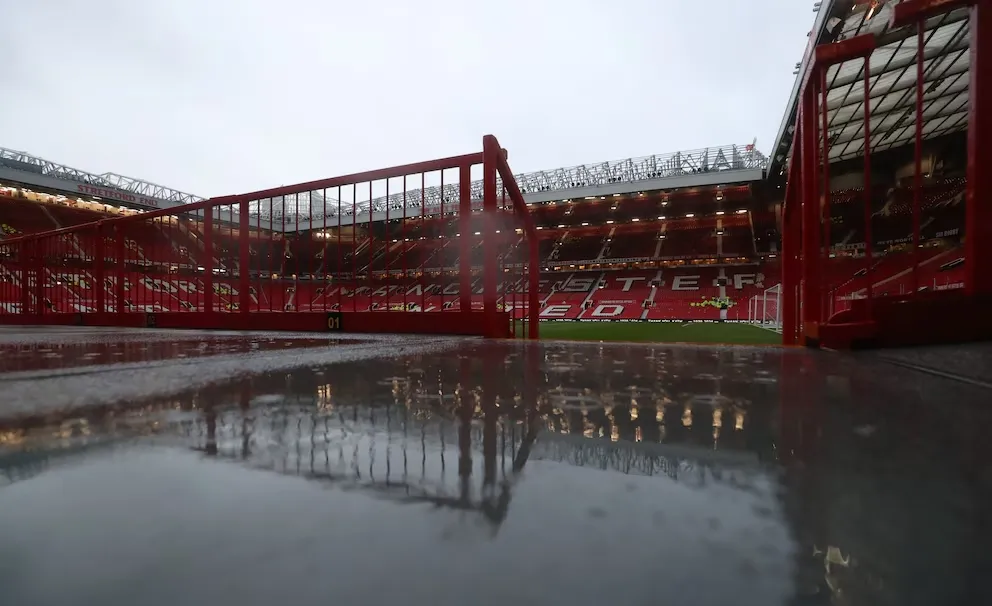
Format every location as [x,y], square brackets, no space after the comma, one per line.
[24,161]
[892,83]
[716,162]
[713,160]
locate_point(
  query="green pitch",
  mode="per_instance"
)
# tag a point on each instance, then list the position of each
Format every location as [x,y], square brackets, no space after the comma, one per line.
[647,332]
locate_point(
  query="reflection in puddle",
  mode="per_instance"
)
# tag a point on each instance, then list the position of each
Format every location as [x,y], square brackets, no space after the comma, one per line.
[531,458]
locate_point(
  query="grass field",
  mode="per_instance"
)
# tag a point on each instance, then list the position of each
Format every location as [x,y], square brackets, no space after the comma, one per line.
[648,332]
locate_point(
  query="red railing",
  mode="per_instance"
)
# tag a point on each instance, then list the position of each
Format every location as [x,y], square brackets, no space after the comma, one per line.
[371,252]
[869,295]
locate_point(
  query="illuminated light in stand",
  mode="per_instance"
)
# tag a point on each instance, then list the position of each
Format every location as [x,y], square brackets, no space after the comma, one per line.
[690,215]
[719,213]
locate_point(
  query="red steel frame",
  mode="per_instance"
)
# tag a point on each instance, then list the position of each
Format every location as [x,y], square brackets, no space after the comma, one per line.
[35,261]
[918,317]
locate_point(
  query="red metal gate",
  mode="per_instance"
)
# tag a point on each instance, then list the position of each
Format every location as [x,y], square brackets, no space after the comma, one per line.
[816,309]
[419,248]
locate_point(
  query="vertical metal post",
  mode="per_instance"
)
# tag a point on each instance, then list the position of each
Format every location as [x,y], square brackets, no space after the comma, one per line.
[406,250]
[354,246]
[338,244]
[423,215]
[388,242]
[867,186]
[208,261]
[489,252]
[244,256]
[121,262]
[811,228]
[918,159]
[464,243]
[99,271]
[978,206]
[825,212]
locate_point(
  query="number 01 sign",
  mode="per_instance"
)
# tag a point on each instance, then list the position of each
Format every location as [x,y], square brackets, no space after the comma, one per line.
[334,322]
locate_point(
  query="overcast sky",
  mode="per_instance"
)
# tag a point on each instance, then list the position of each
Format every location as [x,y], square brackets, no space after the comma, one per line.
[226,96]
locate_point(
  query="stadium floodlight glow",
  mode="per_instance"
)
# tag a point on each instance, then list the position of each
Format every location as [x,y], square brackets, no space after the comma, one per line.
[584,224]
[590,197]
[478,233]
[719,213]
[635,219]
[742,211]
[662,218]
[560,226]
[610,222]
[540,227]
[689,215]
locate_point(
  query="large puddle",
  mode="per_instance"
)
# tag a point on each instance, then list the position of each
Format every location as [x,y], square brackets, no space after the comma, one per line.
[495,473]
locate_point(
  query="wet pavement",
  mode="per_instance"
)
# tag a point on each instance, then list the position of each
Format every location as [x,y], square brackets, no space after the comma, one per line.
[374,471]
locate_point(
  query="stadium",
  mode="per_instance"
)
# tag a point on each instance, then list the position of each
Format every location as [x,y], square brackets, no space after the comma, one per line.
[763,365]
[685,238]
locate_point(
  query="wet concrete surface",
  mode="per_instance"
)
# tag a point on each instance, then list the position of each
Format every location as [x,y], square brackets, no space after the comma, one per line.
[467,472]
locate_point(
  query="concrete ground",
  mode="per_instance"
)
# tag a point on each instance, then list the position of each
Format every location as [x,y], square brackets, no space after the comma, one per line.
[167,467]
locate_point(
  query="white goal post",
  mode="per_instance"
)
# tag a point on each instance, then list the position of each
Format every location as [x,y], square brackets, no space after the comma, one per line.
[766,309]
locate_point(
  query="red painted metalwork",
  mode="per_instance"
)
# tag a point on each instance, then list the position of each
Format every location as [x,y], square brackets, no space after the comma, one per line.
[812,229]
[978,223]
[227,283]
[825,212]
[791,272]
[464,243]
[882,319]
[912,11]
[867,184]
[918,157]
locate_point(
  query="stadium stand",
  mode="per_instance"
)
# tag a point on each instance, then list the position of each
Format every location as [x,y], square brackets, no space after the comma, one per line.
[679,255]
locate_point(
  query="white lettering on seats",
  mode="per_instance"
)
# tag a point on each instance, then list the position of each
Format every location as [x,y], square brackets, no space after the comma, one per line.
[685,283]
[740,280]
[607,311]
[577,285]
[627,282]
[555,311]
